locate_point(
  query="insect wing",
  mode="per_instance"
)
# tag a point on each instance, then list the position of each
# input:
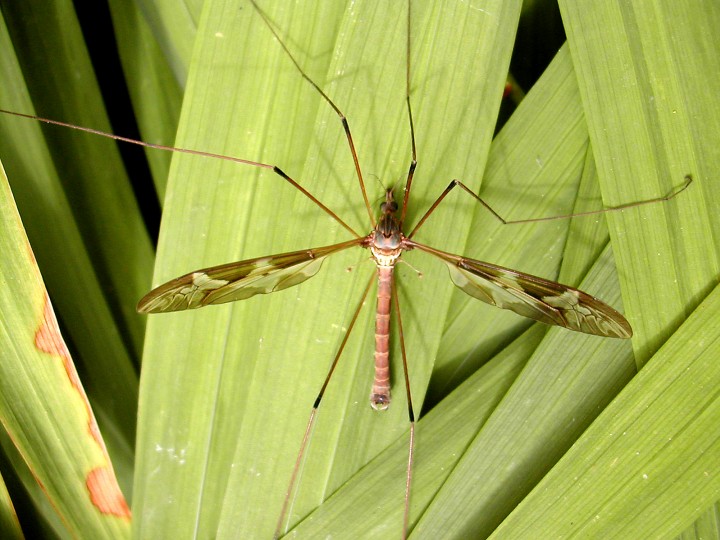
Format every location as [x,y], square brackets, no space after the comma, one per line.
[238,280]
[533,297]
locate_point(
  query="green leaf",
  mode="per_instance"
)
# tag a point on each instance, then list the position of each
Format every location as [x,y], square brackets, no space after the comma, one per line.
[8,518]
[154,48]
[42,403]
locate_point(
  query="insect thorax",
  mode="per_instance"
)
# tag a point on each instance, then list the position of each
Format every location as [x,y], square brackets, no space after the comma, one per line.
[386,241]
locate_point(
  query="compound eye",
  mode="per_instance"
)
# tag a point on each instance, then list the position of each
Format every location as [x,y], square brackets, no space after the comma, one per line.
[389,207]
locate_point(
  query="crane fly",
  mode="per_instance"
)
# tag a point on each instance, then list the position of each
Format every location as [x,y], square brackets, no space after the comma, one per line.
[527,295]
[530,296]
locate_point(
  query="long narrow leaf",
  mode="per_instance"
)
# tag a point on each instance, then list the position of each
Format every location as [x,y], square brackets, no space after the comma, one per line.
[43,406]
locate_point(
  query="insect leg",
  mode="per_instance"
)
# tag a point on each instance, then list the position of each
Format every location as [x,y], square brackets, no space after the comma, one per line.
[330,102]
[311,421]
[411,415]
[457,183]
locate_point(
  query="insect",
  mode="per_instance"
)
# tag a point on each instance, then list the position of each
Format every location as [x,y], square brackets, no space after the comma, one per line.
[460,276]
[530,296]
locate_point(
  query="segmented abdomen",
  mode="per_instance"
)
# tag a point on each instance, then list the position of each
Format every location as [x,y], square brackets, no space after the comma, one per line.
[380,394]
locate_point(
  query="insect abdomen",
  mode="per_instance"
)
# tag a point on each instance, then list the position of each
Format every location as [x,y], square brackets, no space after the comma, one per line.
[380,394]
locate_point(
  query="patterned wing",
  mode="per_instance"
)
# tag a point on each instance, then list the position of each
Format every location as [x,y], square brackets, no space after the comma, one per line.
[533,297]
[238,280]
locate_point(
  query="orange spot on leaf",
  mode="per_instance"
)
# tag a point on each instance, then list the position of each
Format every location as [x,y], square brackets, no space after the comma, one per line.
[47,337]
[105,493]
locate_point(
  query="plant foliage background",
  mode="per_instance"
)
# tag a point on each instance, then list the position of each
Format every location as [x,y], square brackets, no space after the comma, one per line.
[526,431]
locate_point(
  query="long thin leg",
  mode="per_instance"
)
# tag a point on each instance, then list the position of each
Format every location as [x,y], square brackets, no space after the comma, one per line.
[411,415]
[396,302]
[330,102]
[413,162]
[311,421]
[277,170]
[457,183]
